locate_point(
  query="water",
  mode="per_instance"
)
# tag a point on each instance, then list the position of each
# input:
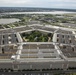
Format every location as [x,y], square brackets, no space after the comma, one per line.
[8,21]
[52,12]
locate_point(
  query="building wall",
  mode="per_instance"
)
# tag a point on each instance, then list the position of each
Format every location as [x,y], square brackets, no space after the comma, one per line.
[38,65]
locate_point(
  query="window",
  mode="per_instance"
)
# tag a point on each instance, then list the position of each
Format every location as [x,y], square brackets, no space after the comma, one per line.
[73,49]
[3,50]
[62,36]
[57,35]
[63,41]
[57,40]
[64,47]
[70,41]
[3,41]
[3,36]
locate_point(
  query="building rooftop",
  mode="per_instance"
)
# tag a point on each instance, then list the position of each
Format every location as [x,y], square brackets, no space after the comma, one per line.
[39,51]
[8,39]
[61,31]
[44,28]
[68,50]
[7,51]
[66,39]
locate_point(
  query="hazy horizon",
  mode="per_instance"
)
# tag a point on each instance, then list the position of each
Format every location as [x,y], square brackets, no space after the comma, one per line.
[34,7]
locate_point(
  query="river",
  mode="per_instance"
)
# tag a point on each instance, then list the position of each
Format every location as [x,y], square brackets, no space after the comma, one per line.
[7,21]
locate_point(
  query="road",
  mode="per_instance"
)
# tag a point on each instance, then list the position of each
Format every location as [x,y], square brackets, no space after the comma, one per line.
[39,72]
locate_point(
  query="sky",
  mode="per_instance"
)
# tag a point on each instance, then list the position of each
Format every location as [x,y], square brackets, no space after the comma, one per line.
[67,4]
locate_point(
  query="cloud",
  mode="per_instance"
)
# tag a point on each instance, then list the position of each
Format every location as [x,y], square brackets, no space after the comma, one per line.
[39,3]
[13,2]
[64,0]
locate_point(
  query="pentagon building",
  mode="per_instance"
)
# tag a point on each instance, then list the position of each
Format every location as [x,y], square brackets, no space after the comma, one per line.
[15,54]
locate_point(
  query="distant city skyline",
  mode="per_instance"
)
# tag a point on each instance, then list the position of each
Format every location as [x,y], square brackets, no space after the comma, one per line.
[66,4]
